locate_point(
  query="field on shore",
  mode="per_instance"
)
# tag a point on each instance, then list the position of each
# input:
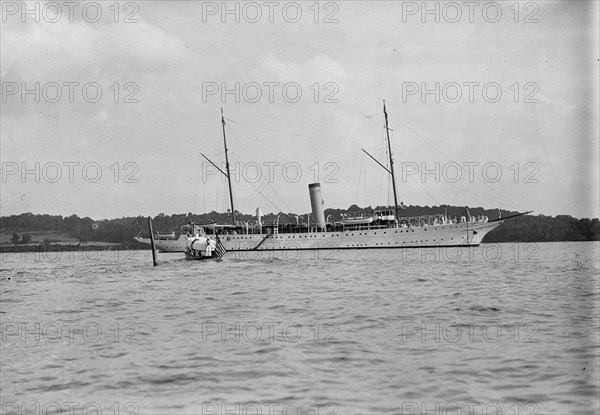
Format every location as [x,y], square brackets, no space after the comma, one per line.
[55,238]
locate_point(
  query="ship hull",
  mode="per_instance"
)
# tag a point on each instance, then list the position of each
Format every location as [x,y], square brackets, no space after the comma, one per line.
[458,234]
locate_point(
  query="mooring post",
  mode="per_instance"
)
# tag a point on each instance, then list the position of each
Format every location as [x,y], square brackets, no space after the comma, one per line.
[152,241]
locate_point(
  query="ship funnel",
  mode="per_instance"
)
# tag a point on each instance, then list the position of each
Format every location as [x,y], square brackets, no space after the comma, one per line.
[258,217]
[316,203]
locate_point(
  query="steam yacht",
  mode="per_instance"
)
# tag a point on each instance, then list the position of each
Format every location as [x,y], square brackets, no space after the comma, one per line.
[378,229]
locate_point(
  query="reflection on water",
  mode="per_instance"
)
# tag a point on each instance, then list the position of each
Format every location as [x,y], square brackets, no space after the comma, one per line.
[511,328]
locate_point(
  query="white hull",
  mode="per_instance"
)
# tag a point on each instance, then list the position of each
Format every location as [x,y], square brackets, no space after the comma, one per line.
[456,234]
[435,235]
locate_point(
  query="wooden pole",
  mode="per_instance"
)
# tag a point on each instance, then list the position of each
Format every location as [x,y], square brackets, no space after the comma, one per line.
[467,211]
[152,241]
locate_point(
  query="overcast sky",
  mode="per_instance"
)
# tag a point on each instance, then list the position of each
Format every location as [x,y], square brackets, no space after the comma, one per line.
[515,124]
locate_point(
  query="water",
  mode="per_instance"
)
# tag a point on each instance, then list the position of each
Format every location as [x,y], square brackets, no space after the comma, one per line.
[504,328]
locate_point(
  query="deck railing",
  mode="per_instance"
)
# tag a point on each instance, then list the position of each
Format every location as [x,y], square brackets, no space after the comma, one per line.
[403,223]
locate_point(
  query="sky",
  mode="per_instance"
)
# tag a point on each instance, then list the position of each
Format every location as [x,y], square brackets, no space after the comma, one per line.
[108,107]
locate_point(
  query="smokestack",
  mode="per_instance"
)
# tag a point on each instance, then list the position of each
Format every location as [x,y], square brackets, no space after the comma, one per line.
[258,217]
[316,203]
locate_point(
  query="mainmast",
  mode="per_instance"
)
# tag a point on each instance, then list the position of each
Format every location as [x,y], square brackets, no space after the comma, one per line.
[387,130]
[227,169]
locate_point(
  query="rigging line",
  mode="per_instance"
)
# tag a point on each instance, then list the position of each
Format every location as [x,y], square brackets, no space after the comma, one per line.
[249,156]
[359,177]
[391,192]
[235,199]
[264,129]
[224,185]
[218,154]
[357,186]
[459,188]
[266,198]
[389,182]
[217,187]
[480,196]
[387,163]
[422,188]
[382,153]
[225,204]
[198,169]
[266,182]
[381,182]
[253,196]
[203,197]
[217,209]
[461,167]
[261,175]
[365,179]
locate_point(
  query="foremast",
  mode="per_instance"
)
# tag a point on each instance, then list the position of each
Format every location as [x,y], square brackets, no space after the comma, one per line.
[227,169]
[391,169]
[387,131]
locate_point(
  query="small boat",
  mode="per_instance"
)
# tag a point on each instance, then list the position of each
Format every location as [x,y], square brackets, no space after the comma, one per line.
[164,236]
[355,218]
[203,247]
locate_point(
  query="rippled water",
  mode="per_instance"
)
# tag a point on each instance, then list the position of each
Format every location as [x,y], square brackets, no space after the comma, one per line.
[509,327]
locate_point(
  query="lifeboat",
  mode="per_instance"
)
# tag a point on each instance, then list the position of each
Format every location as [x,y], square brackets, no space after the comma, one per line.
[360,218]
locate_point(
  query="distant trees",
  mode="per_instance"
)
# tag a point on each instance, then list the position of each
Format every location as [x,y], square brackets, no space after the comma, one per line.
[542,228]
[527,228]
[23,239]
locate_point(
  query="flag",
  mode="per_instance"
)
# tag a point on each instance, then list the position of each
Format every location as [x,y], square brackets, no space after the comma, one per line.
[220,250]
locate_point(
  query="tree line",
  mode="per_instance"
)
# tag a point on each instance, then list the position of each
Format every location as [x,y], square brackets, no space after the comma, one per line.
[526,228]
